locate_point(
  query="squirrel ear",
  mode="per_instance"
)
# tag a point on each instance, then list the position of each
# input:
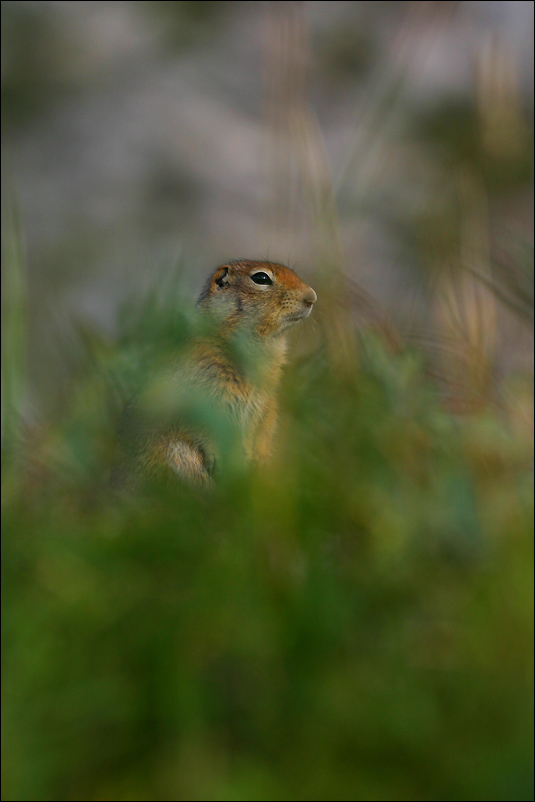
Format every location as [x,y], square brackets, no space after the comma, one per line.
[221,277]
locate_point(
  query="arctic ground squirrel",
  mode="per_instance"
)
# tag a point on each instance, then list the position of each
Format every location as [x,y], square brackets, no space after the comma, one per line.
[230,371]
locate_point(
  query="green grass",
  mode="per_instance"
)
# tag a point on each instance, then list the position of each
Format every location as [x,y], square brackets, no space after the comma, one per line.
[355,623]
[14,324]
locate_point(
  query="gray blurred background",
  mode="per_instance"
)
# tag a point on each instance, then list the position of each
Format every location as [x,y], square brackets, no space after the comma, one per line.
[138,134]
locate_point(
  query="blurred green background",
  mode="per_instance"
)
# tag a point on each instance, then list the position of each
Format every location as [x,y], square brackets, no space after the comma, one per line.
[356,621]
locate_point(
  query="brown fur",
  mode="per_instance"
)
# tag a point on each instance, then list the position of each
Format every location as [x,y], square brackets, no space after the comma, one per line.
[250,319]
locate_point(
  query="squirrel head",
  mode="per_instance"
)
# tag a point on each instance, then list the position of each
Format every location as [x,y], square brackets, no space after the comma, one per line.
[262,297]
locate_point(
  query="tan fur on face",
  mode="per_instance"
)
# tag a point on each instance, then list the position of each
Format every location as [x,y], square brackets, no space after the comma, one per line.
[264,310]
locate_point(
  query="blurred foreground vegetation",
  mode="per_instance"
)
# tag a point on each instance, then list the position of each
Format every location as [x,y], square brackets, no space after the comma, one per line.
[354,623]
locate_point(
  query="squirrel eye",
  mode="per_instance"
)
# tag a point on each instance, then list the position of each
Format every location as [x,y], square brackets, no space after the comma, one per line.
[261,278]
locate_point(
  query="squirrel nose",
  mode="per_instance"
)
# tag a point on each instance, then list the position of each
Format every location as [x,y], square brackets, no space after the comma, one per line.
[310,297]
